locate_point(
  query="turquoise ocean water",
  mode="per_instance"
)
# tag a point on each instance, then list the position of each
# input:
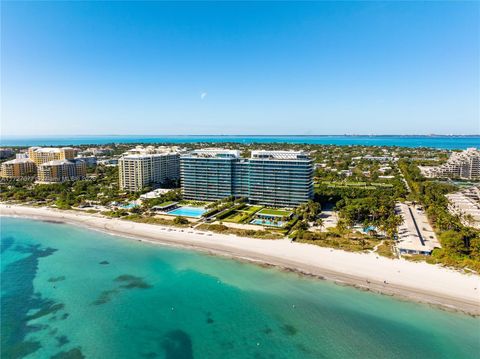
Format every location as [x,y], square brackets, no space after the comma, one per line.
[444,142]
[72,293]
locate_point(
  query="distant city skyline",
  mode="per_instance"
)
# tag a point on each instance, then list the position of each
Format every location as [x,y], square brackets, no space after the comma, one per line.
[328,68]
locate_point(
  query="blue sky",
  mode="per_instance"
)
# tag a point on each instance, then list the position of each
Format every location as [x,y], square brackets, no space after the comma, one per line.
[71,68]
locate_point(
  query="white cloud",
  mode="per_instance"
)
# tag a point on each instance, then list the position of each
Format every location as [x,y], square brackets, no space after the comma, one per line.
[203,95]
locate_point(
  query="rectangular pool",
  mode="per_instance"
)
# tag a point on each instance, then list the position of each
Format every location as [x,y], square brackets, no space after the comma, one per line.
[266,222]
[195,212]
[129,206]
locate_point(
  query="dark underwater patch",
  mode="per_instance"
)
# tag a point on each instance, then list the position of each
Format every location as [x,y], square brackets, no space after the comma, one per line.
[74,353]
[6,243]
[105,296]
[289,329]
[104,262]
[62,340]
[56,279]
[210,321]
[127,282]
[177,345]
[131,281]
[47,309]
[267,330]
[18,299]
[38,327]
[52,221]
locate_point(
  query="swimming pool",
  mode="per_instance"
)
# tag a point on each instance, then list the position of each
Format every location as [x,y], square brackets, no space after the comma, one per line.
[266,222]
[188,212]
[129,206]
[369,229]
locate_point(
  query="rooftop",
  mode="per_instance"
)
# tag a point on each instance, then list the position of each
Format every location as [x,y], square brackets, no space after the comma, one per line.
[256,155]
[214,152]
[150,151]
[50,149]
[57,163]
[280,155]
[18,160]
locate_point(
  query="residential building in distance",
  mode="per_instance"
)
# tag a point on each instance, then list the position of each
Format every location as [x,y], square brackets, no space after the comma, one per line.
[271,178]
[111,162]
[21,155]
[61,171]
[148,166]
[91,161]
[18,168]
[41,155]
[464,164]
[96,151]
[466,204]
[50,164]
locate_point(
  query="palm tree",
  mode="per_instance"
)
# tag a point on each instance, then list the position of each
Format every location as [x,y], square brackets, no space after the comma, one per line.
[320,223]
[390,226]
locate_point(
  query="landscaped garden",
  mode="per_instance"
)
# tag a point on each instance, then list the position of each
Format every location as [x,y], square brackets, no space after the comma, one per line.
[242,215]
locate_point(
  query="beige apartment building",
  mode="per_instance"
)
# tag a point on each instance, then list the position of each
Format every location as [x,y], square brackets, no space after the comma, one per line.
[61,171]
[18,168]
[145,166]
[464,164]
[41,155]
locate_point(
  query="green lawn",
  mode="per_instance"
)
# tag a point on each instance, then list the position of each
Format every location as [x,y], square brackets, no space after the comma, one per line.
[275,212]
[240,215]
[235,217]
[252,209]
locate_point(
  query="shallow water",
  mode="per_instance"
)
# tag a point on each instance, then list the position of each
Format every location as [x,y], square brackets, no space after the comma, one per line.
[71,293]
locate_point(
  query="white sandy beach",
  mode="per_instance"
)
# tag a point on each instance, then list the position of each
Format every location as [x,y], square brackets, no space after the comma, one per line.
[419,282]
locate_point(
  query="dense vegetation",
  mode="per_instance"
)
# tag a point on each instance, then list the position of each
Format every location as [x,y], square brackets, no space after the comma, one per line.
[363,191]
[102,187]
[460,244]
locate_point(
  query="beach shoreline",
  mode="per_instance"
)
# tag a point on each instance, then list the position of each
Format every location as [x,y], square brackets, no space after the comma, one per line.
[417,282]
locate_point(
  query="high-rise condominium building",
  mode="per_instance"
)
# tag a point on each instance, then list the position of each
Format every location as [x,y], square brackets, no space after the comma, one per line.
[41,155]
[465,164]
[61,171]
[18,168]
[145,166]
[272,178]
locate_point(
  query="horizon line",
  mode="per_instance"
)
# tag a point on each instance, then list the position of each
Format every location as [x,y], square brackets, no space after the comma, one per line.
[244,135]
